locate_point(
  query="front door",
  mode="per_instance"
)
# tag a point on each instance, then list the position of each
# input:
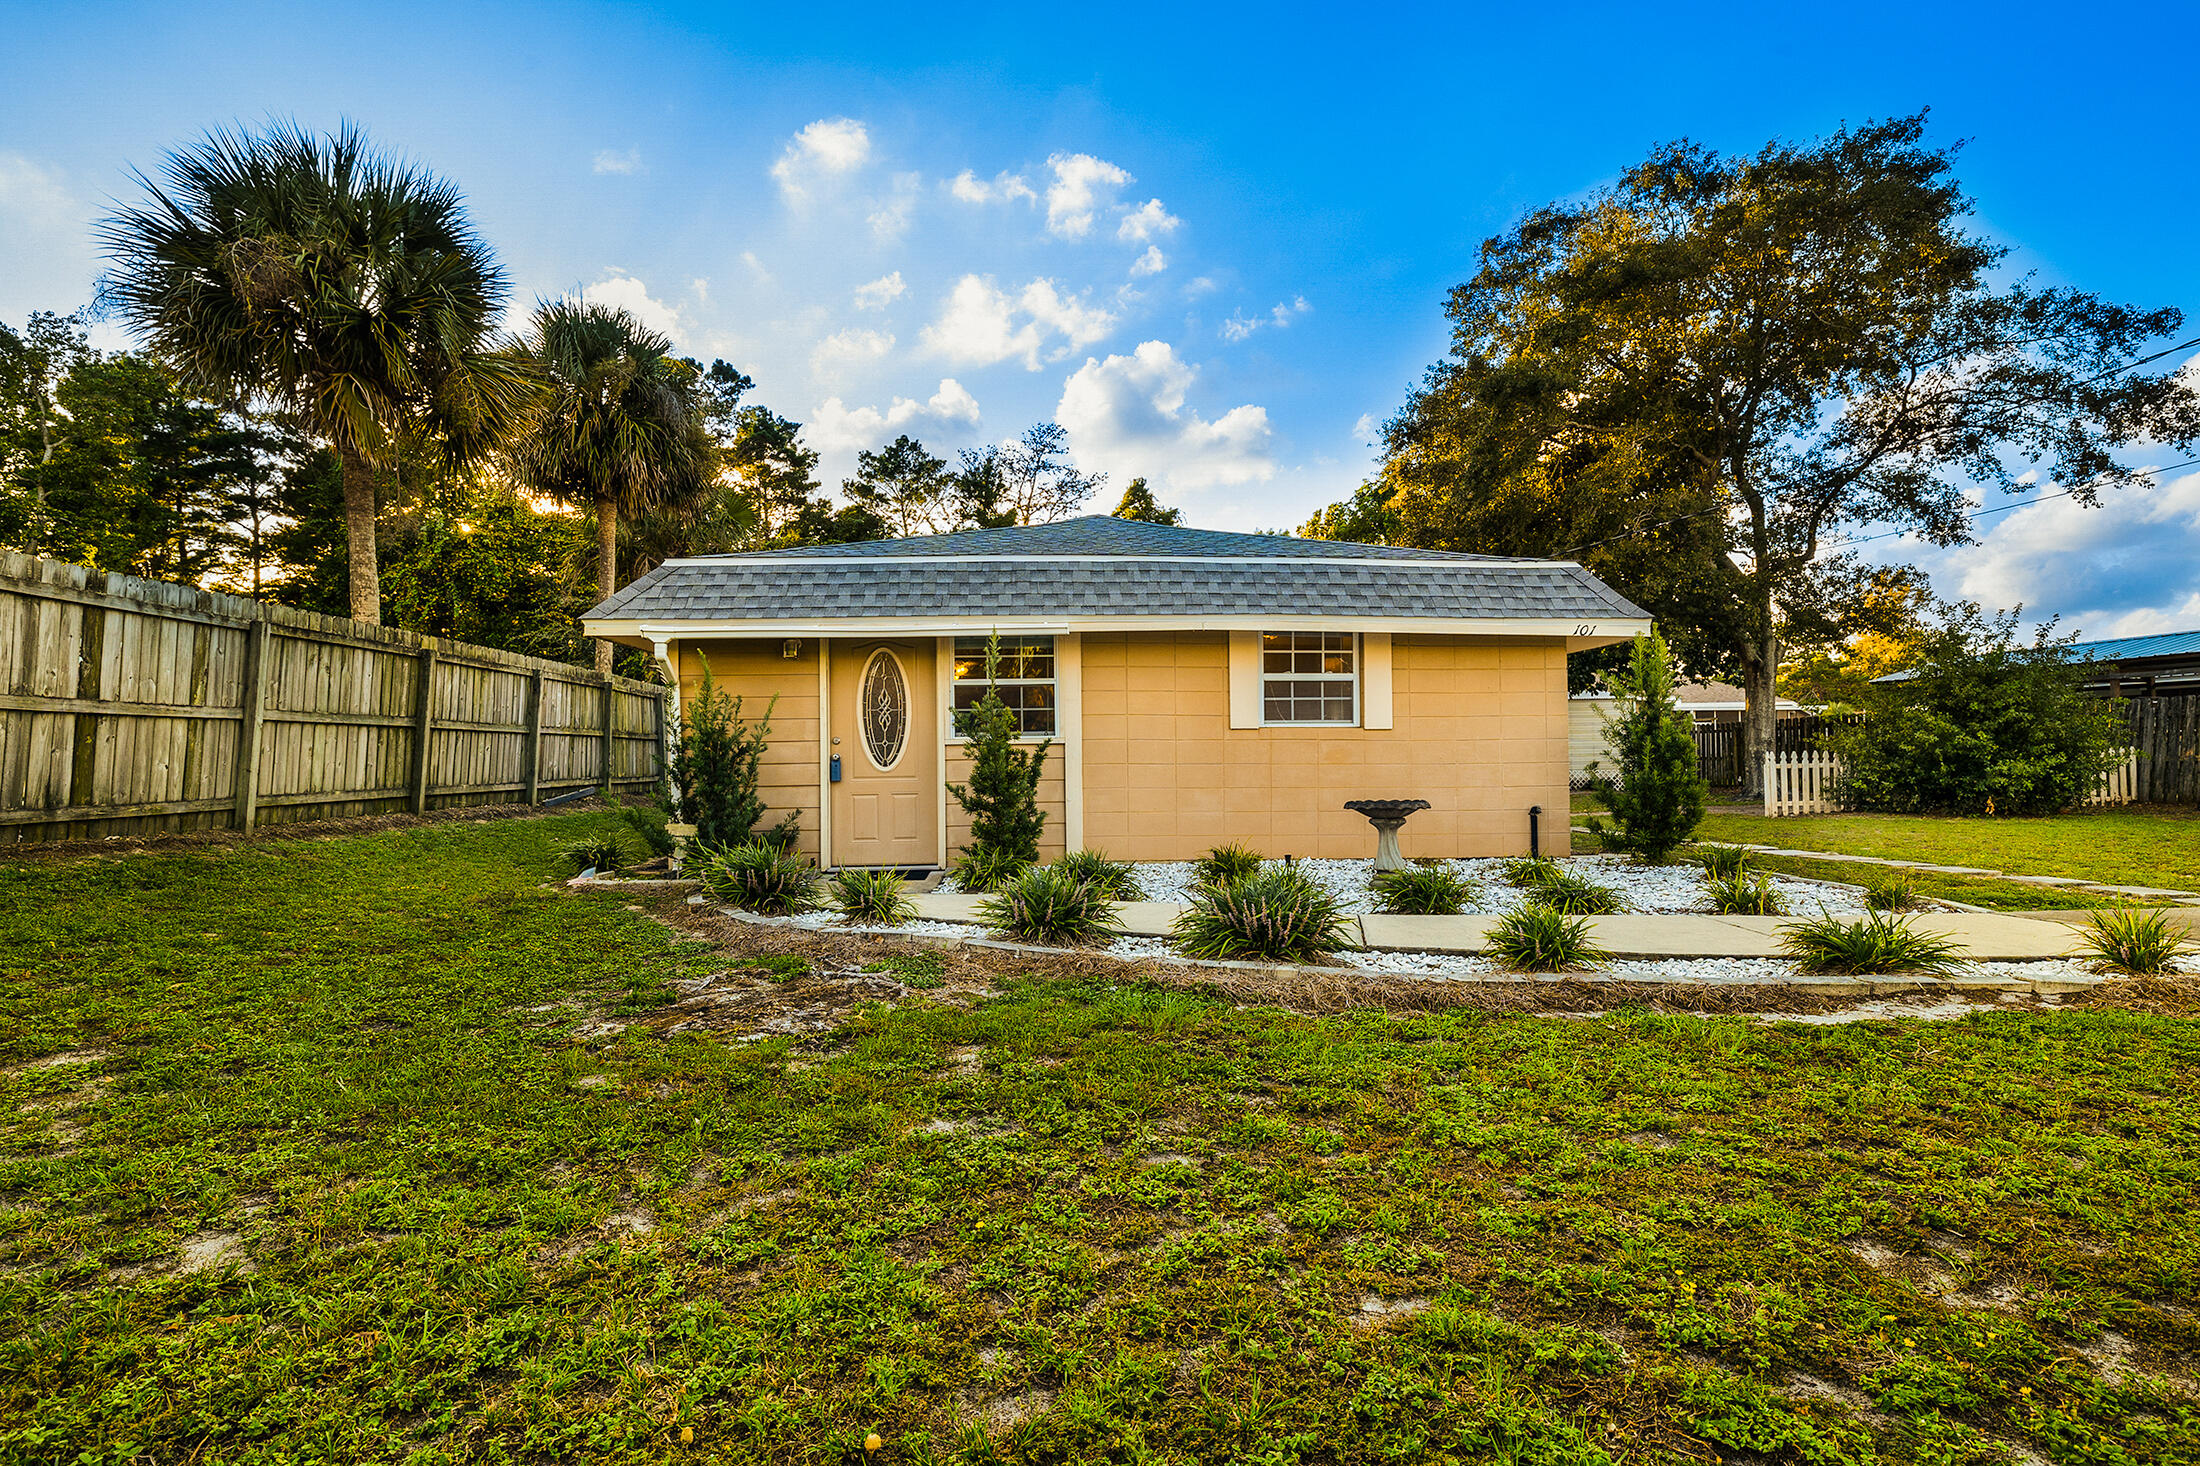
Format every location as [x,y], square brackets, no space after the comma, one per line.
[886,734]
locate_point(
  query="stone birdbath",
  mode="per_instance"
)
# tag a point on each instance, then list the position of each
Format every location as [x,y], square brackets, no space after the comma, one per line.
[1386,815]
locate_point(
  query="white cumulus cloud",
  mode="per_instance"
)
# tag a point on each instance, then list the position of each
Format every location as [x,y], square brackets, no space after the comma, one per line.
[885,288]
[1146,223]
[1005,188]
[2124,569]
[1083,185]
[890,216]
[851,347]
[981,324]
[1240,325]
[827,148]
[1152,262]
[608,161]
[622,291]
[839,428]
[1127,415]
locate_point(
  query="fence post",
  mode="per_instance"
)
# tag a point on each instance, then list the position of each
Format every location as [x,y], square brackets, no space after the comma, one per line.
[246,786]
[610,720]
[1766,765]
[531,743]
[423,728]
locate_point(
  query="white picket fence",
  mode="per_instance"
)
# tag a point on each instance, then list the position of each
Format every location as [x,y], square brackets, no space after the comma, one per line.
[1804,783]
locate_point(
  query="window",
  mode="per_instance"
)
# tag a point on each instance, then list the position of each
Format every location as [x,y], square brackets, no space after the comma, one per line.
[885,709]
[1309,677]
[1025,680]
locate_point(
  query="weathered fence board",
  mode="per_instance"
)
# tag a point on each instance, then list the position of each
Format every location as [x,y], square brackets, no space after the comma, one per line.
[129,706]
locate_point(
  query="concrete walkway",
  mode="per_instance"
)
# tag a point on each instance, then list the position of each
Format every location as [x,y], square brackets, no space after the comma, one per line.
[2135,893]
[1984,936]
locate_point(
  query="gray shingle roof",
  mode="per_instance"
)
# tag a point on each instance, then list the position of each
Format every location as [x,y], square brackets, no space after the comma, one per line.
[1110,567]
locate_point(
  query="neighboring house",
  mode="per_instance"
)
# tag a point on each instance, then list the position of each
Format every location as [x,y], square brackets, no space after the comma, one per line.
[1199,687]
[2166,664]
[1707,703]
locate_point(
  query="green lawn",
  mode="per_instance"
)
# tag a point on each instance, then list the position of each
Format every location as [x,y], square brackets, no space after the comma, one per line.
[1074,1221]
[2147,846]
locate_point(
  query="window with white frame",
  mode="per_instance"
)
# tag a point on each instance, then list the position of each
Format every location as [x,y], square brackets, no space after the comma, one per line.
[1024,678]
[1309,677]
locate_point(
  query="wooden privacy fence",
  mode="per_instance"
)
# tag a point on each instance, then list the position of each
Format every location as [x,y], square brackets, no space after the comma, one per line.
[2166,733]
[129,705]
[1807,782]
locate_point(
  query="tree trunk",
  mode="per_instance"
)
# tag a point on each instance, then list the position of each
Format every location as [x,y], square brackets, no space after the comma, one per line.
[365,573]
[607,566]
[1761,694]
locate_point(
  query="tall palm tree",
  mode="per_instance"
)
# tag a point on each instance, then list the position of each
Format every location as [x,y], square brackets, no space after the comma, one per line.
[338,286]
[617,425]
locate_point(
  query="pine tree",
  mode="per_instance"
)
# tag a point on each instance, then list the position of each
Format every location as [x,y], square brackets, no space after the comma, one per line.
[1657,799]
[1002,797]
[719,760]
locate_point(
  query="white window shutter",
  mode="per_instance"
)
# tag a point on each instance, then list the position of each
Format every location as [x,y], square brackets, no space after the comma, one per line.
[1245,679]
[1375,680]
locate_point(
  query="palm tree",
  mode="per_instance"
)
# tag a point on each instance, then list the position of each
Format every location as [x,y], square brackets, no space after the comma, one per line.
[617,426]
[340,287]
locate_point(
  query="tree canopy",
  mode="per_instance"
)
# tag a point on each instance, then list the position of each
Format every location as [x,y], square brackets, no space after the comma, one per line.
[1704,380]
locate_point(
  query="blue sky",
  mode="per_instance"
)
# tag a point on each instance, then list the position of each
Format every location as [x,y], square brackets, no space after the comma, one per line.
[1213,242]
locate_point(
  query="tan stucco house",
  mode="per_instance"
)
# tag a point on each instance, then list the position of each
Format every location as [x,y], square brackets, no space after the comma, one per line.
[1199,686]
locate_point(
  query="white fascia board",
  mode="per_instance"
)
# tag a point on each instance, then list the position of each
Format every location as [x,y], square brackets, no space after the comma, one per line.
[851,562]
[1579,634]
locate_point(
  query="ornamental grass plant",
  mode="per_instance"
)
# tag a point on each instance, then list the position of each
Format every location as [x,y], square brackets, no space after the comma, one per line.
[1224,864]
[760,878]
[1114,879]
[1880,943]
[2134,941]
[1537,938]
[1050,906]
[1423,890]
[1273,915]
[874,896]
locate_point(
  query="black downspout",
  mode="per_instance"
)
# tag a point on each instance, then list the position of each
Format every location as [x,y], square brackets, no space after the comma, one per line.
[1535,830]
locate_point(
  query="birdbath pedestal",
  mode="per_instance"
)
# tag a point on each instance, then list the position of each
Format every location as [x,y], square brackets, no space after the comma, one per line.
[1386,815]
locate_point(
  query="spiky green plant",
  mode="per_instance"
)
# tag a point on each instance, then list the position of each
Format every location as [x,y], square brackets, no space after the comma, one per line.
[1576,895]
[594,852]
[873,896]
[1224,864]
[1114,879]
[1276,915]
[2130,940]
[1749,893]
[1525,872]
[1722,862]
[1050,906]
[986,868]
[1536,938]
[1879,943]
[1424,890]
[759,878]
[1891,890]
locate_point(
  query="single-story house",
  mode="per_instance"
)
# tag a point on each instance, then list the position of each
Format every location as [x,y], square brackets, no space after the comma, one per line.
[1707,704]
[1198,686]
[2163,664]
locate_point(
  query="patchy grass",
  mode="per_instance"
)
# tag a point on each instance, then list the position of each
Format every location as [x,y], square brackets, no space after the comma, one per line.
[2148,845]
[302,1162]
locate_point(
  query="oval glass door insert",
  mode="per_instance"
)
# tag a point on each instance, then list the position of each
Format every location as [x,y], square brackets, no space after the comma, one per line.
[884,704]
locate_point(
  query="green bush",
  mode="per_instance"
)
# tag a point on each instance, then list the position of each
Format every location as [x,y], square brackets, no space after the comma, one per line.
[1576,895]
[873,896]
[1224,864]
[1275,915]
[1423,890]
[594,852]
[1535,938]
[760,878]
[982,870]
[1002,797]
[1879,943]
[1722,862]
[1051,906]
[1985,726]
[1747,894]
[1891,890]
[1655,794]
[2141,943]
[716,765]
[1114,879]
[649,823]
[1526,872]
